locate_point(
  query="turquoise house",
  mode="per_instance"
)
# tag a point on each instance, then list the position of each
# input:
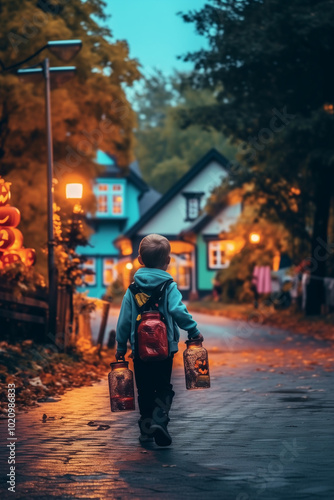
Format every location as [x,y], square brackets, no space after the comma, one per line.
[200,243]
[121,202]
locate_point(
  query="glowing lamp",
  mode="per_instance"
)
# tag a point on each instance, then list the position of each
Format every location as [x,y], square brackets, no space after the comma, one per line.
[254,238]
[74,191]
[129,266]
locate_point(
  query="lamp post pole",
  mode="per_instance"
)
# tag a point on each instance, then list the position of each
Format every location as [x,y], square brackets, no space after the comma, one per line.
[52,272]
[65,50]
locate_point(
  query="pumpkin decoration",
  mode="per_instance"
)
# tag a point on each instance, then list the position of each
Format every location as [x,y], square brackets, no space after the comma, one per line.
[18,242]
[7,238]
[11,239]
[10,257]
[9,216]
[28,256]
[4,192]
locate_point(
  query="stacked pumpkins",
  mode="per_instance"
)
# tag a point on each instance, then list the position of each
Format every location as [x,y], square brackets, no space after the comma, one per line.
[11,238]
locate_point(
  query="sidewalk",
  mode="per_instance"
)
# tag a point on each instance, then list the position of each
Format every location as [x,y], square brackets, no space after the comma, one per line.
[257,433]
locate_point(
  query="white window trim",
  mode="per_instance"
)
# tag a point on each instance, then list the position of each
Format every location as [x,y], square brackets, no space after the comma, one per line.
[212,246]
[109,267]
[91,267]
[109,193]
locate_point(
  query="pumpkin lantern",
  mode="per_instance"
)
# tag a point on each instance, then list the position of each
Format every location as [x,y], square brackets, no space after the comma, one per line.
[196,365]
[11,239]
[121,388]
[9,216]
[28,256]
[18,241]
[7,238]
[4,192]
[10,257]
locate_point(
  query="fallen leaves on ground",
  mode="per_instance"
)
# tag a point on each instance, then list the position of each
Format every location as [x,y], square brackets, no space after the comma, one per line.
[40,372]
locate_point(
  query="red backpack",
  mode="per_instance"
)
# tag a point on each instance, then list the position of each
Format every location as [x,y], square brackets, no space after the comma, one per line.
[151,341]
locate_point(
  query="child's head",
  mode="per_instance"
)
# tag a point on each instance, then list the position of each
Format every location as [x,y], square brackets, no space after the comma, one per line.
[154,251]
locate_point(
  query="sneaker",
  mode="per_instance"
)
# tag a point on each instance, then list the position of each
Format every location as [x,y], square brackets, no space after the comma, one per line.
[161,434]
[145,438]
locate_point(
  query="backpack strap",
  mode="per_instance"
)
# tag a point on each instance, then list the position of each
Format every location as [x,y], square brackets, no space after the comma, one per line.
[145,302]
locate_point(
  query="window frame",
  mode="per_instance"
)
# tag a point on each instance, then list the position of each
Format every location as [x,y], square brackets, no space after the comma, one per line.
[109,193]
[192,196]
[105,268]
[93,268]
[210,248]
[188,267]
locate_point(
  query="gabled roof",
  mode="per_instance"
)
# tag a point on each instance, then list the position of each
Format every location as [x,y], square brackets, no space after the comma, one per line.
[148,199]
[113,170]
[212,155]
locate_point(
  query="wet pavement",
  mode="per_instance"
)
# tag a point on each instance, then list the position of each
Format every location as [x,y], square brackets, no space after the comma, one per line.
[263,431]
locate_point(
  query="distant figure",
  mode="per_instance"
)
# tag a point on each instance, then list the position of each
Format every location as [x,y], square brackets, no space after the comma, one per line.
[153,288]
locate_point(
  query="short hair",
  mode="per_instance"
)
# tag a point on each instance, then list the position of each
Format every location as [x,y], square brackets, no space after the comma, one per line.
[154,250]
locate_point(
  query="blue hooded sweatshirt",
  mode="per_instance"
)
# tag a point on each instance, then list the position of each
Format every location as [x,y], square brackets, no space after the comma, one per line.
[174,311]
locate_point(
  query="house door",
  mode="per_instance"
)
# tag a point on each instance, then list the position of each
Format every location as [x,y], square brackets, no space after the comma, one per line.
[180,269]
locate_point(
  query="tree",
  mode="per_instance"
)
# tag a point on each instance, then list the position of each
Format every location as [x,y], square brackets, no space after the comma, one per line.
[271,63]
[88,113]
[165,151]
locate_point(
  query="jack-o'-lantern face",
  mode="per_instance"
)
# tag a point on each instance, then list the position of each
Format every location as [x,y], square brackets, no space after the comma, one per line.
[9,216]
[10,258]
[201,366]
[18,240]
[7,238]
[4,192]
[28,256]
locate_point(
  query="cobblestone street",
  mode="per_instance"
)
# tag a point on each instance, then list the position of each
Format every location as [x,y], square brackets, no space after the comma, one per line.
[264,430]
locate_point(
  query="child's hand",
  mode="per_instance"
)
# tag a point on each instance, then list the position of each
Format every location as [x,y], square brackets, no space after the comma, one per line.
[199,337]
[119,356]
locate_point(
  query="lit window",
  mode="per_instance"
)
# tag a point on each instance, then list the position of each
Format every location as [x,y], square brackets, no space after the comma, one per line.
[117,204]
[179,268]
[109,271]
[110,199]
[90,265]
[102,204]
[220,253]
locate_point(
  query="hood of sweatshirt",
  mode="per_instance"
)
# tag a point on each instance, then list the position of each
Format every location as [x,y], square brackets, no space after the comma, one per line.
[147,278]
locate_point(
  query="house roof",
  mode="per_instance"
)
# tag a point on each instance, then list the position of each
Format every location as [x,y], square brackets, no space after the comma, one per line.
[148,199]
[212,155]
[113,171]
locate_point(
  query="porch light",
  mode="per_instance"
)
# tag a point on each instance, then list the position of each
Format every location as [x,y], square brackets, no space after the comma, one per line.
[129,266]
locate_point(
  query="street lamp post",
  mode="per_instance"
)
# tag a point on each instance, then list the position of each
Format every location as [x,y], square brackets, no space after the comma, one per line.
[53,278]
[64,50]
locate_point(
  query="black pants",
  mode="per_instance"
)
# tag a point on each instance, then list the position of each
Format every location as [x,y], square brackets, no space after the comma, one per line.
[155,392]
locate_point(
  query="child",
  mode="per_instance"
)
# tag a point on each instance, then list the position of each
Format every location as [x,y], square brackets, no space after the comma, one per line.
[155,392]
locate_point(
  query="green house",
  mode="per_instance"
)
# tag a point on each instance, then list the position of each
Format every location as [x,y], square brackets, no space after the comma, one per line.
[199,245]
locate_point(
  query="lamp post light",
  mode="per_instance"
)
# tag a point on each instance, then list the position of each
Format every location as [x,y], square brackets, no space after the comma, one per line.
[64,50]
